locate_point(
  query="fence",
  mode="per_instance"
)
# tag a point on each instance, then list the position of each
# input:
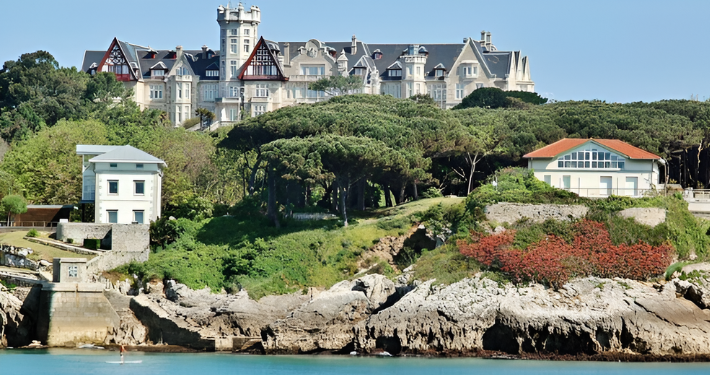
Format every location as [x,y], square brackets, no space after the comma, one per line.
[599,192]
[34,224]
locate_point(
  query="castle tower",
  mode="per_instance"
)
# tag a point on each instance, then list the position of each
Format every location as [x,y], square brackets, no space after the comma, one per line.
[238,35]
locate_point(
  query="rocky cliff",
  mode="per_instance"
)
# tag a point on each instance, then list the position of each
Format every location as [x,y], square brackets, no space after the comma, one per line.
[373,314]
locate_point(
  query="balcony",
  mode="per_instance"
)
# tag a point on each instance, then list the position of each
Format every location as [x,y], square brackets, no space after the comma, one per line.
[183,78]
[305,78]
[229,99]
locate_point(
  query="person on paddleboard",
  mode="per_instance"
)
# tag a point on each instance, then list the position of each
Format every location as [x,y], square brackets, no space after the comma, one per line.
[123,350]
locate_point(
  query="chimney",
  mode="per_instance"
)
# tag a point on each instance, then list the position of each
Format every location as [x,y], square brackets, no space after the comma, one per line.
[353,46]
[488,38]
[204,52]
[287,53]
[483,37]
[178,50]
[465,40]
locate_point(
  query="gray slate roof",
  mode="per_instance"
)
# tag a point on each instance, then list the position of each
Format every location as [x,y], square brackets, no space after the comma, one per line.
[126,154]
[93,149]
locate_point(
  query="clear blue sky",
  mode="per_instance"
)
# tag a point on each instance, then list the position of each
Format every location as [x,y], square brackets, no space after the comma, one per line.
[614,50]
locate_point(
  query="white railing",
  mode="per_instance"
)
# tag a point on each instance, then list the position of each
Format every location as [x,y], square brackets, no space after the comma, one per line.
[600,192]
[305,78]
[697,194]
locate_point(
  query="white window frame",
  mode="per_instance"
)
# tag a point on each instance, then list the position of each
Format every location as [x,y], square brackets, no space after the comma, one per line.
[261,91]
[259,109]
[246,44]
[233,114]
[233,68]
[212,73]
[109,187]
[156,91]
[135,218]
[108,216]
[179,90]
[460,90]
[233,91]
[233,32]
[233,45]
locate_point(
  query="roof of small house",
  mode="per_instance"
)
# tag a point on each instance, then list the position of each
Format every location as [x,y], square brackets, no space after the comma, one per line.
[566,144]
[93,149]
[126,154]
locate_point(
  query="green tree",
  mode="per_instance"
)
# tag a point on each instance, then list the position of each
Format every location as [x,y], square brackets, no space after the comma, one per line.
[484,97]
[206,117]
[13,205]
[337,85]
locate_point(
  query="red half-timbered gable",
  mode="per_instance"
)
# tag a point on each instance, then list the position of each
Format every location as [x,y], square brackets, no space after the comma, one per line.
[262,65]
[115,61]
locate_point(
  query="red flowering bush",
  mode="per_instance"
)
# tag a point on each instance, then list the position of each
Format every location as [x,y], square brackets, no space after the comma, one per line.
[554,261]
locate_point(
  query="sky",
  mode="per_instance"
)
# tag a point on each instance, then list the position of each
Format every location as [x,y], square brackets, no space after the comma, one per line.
[612,50]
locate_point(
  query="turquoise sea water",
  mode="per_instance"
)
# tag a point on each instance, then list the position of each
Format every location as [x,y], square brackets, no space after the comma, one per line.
[83,362]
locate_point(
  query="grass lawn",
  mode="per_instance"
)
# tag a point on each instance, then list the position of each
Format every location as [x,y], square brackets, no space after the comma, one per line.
[40,251]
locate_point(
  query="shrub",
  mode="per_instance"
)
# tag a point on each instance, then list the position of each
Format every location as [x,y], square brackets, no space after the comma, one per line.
[553,260]
[33,233]
[432,192]
[92,243]
[70,240]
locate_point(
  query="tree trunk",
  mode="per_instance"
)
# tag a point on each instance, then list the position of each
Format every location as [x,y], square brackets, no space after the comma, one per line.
[252,178]
[271,201]
[388,196]
[343,192]
[416,194]
[334,197]
[401,194]
[361,194]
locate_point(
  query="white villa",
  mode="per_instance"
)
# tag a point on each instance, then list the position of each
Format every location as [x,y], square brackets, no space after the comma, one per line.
[250,73]
[596,167]
[123,183]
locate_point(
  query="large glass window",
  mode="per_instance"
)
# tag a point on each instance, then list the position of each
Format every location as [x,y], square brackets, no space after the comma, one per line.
[599,159]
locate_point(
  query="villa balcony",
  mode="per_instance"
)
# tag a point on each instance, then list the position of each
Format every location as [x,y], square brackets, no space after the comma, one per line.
[305,78]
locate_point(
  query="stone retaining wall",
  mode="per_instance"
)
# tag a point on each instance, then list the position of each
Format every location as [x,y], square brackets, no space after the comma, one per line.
[512,212]
[82,231]
[121,237]
[114,258]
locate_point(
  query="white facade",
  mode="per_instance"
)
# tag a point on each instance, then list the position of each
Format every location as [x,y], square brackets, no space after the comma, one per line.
[615,174]
[180,81]
[123,182]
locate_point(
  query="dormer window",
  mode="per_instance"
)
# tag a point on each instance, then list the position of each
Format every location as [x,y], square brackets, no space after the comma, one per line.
[377,55]
[439,72]
[394,72]
[359,71]
[158,73]
[212,73]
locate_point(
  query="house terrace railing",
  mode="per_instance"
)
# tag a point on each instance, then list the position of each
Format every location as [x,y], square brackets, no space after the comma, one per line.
[599,192]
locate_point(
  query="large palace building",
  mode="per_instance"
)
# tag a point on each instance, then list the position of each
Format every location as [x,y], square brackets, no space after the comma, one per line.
[254,75]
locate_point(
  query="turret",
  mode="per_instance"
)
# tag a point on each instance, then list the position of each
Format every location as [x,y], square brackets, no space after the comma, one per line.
[238,35]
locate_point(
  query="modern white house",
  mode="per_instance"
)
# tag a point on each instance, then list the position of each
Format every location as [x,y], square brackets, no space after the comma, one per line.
[596,167]
[123,183]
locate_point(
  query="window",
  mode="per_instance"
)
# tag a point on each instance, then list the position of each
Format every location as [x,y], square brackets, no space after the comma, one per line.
[259,110]
[139,166]
[138,216]
[224,43]
[600,159]
[113,187]
[179,90]
[112,216]
[209,92]
[234,32]
[73,271]
[246,42]
[246,31]
[187,112]
[479,85]
[409,71]
[158,73]
[395,72]
[187,91]
[439,72]
[233,92]
[233,45]
[317,70]
[156,91]
[212,73]
[224,69]
[419,71]
[419,89]
[409,89]
[233,114]
[139,187]
[459,91]
[438,92]
[261,91]
[113,165]
[178,113]
[233,68]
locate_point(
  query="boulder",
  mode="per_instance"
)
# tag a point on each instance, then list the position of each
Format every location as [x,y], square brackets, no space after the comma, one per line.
[650,216]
